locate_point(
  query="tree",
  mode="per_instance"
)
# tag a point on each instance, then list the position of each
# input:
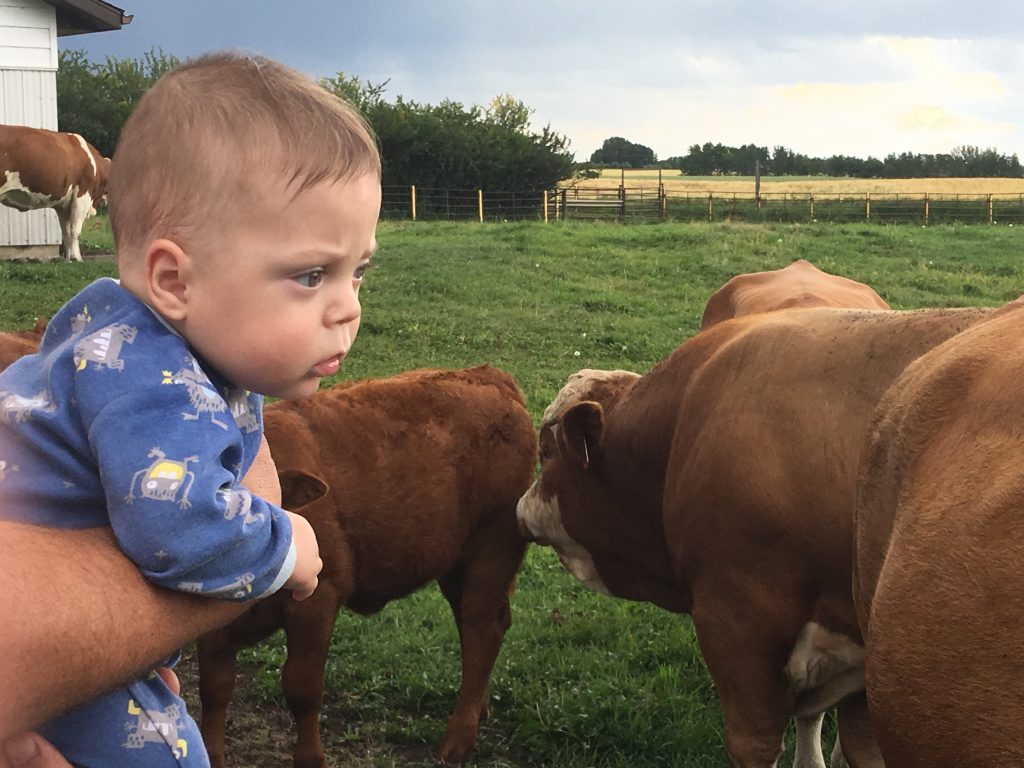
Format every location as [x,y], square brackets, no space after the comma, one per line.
[509,113]
[452,146]
[94,100]
[618,152]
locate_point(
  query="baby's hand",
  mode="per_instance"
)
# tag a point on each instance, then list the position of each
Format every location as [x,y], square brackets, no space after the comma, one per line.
[308,564]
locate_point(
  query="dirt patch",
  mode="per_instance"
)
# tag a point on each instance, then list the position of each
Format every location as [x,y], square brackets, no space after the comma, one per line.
[261,732]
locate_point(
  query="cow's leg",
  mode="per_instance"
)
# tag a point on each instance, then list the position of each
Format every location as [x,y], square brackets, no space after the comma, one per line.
[72,216]
[216,656]
[309,626]
[808,742]
[747,670]
[478,592]
[859,747]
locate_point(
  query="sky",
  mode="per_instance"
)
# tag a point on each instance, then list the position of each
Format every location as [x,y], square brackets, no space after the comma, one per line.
[821,78]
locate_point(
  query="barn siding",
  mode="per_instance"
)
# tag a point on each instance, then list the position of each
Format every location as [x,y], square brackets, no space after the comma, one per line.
[28,96]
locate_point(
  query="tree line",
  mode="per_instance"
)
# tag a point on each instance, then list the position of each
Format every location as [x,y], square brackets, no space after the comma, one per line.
[719,160]
[447,145]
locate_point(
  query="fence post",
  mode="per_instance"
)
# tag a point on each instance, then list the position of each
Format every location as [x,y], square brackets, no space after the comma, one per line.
[563,213]
[480,204]
[810,197]
[926,207]
[663,200]
[412,196]
[545,206]
[709,207]
[867,206]
[990,217]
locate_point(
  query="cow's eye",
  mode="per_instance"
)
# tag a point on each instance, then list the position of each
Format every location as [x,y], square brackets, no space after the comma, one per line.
[310,279]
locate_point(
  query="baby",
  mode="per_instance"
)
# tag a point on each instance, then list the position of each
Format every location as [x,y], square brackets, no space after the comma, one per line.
[244,201]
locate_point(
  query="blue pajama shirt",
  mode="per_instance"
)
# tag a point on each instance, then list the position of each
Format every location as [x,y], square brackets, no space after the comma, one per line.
[117,422]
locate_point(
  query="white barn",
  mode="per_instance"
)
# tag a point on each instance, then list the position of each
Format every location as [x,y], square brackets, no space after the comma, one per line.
[28,95]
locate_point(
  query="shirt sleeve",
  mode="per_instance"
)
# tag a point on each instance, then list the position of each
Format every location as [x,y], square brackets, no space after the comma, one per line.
[170,457]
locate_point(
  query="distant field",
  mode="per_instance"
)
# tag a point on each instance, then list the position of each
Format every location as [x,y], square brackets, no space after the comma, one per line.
[676,182]
[583,681]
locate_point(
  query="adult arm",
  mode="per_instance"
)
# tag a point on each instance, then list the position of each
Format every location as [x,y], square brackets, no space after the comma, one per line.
[79,618]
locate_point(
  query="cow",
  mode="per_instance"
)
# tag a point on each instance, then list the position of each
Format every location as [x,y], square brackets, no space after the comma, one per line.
[721,484]
[939,554]
[51,169]
[16,344]
[801,284]
[419,477]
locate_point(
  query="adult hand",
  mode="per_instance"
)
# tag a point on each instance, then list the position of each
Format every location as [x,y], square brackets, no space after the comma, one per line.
[30,750]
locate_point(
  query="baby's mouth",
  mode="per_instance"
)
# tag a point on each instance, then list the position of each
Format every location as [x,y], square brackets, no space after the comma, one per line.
[328,367]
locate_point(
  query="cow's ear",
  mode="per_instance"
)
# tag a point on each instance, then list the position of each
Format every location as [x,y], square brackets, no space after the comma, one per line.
[300,488]
[583,427]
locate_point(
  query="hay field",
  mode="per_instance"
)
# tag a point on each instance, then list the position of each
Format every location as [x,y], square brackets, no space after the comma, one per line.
[676,182]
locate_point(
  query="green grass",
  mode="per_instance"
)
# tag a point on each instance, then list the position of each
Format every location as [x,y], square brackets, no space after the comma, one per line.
[582,680]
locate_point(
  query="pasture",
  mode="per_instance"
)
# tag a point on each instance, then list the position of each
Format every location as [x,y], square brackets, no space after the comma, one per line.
[582,679]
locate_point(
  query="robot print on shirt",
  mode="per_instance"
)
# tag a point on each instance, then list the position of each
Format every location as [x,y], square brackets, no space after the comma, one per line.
[164,479]
[203,396]
[152,727]
[245,417]
[239,504]
[103,347]
[15,407]
[239,589]
[79,321]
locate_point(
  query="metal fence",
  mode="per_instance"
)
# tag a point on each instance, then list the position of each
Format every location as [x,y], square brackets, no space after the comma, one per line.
[656,203]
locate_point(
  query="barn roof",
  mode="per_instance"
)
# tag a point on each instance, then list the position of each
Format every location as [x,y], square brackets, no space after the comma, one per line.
[76,17]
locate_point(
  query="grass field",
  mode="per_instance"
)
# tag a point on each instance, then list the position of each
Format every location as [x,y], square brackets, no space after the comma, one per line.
[582,680]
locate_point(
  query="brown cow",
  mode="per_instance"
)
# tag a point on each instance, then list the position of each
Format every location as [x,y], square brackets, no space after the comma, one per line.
[940,553]
[721,484]
[17,344]
[49,169]
[801,284]
[424,470]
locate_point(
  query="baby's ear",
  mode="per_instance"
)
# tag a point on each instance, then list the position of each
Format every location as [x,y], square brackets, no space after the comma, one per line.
[167,274]
[299,489]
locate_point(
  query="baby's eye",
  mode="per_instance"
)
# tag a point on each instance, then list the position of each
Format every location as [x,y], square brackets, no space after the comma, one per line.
[310,279]
[361,270]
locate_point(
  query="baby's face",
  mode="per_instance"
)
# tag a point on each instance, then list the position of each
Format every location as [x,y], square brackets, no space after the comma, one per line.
[275,305]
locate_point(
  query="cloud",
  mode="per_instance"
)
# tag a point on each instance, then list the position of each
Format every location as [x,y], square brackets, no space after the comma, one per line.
[821,79]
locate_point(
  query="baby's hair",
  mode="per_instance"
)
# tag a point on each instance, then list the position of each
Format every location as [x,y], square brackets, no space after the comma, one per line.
[216,131]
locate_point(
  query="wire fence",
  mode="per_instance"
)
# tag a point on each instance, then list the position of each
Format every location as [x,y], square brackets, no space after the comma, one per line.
[657,203]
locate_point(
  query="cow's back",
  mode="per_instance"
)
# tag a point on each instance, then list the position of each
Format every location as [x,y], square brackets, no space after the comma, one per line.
[799,285]
[770,421]
[415,463]
[940,547]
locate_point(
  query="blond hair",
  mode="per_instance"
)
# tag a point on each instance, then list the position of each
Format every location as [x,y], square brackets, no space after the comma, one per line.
[217,130]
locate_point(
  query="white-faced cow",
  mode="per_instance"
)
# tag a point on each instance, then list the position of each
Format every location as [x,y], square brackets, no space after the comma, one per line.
[801,284]
[721,484]
[422,472]
[940,554]
[49,169]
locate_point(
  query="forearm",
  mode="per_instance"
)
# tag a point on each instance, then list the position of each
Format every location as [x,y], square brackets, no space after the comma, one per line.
[78,618]
[76,630]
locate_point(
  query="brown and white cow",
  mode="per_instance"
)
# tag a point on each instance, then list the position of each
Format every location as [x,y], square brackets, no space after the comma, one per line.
[424,470]
[721,484]
[50,169]
[940,554]
[801,284]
